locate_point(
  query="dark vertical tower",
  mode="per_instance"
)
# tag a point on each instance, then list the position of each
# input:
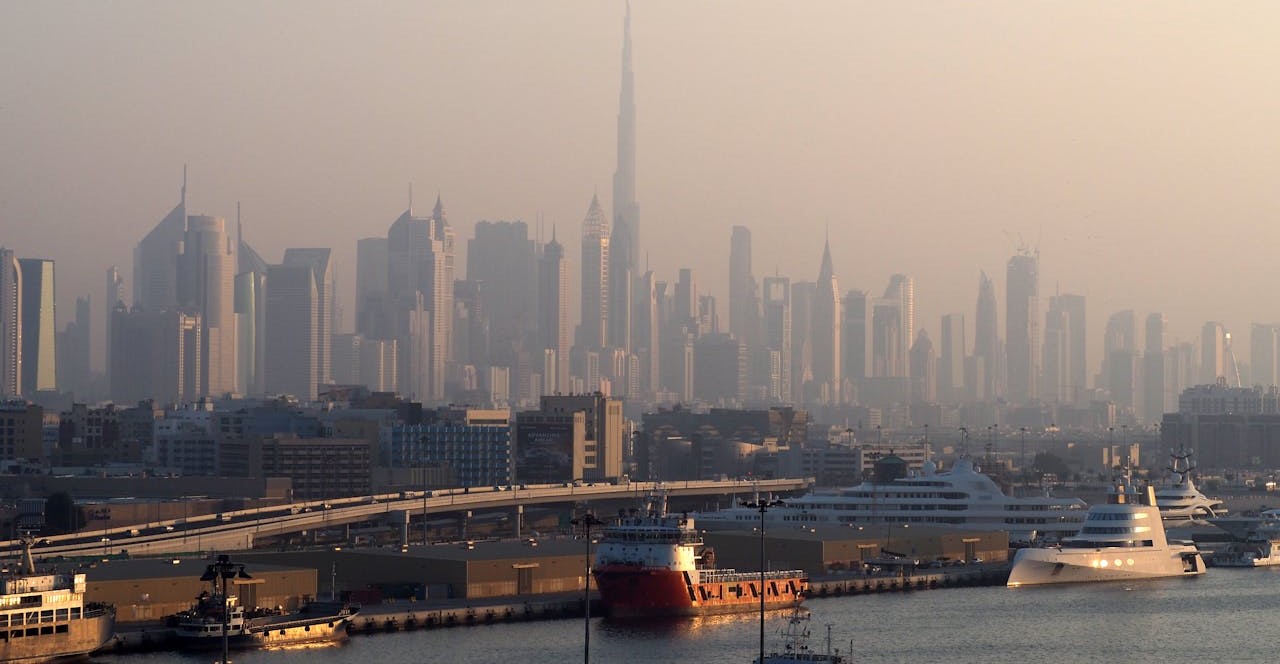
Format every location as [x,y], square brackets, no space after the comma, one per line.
[1022,326]
[553,313]
[776,332]
[155,259]
[1153,405]
[625,241]
[951,359]
[744,303]
[39,348]
[10,325]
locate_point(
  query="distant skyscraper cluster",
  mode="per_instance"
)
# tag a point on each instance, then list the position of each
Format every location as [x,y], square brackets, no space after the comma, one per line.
[208,315]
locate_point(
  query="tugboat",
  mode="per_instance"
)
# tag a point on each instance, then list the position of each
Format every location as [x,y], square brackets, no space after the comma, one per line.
[654,564]
[43,617]
[216,610]
[795,643]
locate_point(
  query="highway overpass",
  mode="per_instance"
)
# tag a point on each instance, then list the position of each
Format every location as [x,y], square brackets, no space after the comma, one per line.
[237,530]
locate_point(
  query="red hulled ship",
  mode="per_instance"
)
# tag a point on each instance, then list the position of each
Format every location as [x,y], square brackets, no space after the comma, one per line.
[650,563]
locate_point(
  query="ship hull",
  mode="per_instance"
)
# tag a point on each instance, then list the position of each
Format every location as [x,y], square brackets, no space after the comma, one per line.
[81,638]
[269,635]
[635,592]
[1033,567]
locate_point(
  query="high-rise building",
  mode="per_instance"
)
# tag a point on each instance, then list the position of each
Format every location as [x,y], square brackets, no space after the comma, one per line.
[777,332]
[826,332]
[10,325]
[986,342]
[744,301]
[293,316]
[155,259]
[685,312]
[924,377]
[39,345]
[803,294]
[114,298]
[1153,403]
[646,342]
[1213,343]
[720,369]
[902,292]
[553,314]
[624,246]
[1055,361]
[206,285]
[502,258]
[1264,354]
[855,348]
[373,316]
[951,359]
[73,344]
[1120,358]
[251,320]
[155,355]
[593,333]
[1022,327]
[320,262]
[420,274]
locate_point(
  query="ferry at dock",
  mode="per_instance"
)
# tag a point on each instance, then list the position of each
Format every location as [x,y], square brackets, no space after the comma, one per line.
[653,564]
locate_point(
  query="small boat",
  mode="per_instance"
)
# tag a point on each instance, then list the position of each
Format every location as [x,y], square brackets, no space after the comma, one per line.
[217,612]
[795,643]
[1260,548]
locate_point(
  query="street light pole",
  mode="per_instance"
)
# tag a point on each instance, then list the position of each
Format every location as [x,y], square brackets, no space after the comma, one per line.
[586,521]
[224,570]
[762,505]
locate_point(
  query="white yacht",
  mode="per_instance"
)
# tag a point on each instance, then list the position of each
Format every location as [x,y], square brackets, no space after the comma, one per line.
[961,497]
[1181,500]
[1121,540]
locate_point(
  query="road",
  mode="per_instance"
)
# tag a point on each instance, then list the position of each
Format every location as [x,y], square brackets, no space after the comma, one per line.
[229,531]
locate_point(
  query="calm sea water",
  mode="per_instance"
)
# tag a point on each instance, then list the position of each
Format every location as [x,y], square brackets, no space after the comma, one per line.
[1223,616]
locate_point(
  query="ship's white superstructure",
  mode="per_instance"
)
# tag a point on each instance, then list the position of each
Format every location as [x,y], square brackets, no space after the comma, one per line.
[962,497]
[1181,500]
[1123,539]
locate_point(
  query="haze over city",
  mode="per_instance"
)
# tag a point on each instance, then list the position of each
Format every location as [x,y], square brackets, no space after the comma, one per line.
[1132,144]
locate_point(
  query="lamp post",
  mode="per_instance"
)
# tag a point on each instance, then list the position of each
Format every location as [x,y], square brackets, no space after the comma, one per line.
[223,569]
[762,505]
[586,521]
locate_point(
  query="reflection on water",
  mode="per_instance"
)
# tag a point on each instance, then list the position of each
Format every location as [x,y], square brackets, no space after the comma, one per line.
[1224,616]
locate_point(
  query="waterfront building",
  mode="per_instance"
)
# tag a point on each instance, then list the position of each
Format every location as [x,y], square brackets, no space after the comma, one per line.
[469,447]
[319,468]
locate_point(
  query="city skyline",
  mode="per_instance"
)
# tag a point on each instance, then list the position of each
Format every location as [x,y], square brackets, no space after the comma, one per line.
[865,250]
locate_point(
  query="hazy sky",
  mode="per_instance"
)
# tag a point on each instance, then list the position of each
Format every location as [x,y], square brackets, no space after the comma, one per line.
[1134,142]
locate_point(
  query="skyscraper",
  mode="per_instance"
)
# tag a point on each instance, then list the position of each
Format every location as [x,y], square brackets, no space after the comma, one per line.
[251,319]
[594,331]
[10,325]
[114,297]
[73,352]
[319,260]
[553,314]
[155,355]
[777,332]
[826,332]
[155,259]
[923,370]
[951,359]
[855,348]
[1213,342]
[39,348]
[1022,327]
[624,245]
[372,306]
[744,302]
[293,317]
[1153,405]
[803,294]
[1120,358]
[502,258]
[1264,354]
[206,285]
[902,291]
[647,340]
[420,276]
[1056,384]
[986,342]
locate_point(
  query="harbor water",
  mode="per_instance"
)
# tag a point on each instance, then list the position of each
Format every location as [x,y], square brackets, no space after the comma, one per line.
[1226,615]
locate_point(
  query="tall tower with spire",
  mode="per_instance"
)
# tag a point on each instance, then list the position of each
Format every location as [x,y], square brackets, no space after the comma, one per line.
[625,239]
[155,259]
[826,331]
[593,335]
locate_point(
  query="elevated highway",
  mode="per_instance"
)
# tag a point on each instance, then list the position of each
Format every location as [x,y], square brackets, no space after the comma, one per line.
[237,530]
